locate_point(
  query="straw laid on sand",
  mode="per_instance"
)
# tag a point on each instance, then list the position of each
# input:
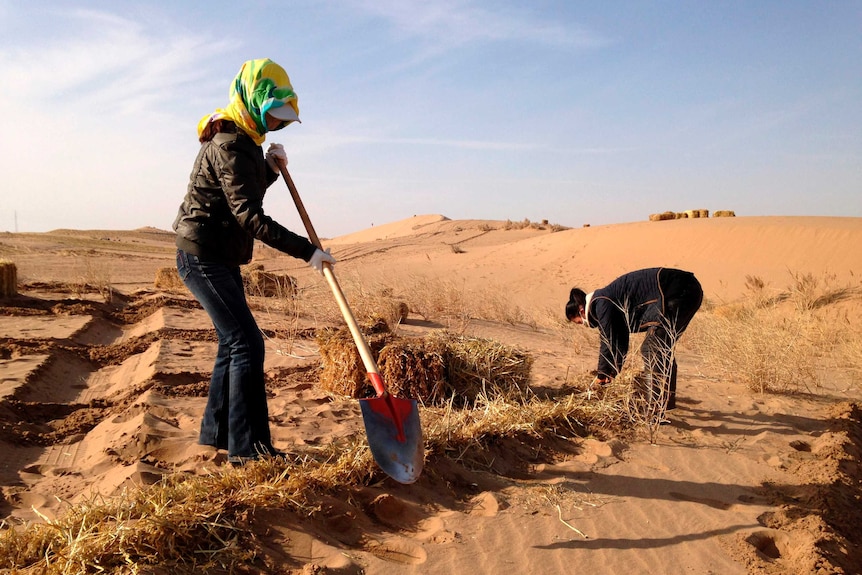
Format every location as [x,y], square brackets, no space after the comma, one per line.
[433,369]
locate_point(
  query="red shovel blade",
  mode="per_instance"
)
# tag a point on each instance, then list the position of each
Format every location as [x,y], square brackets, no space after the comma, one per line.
[394,435]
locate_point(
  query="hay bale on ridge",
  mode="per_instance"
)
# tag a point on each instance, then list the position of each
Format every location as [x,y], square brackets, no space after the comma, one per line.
[258,282]
[168,278]
[662,216]
[724,214]
[8,279]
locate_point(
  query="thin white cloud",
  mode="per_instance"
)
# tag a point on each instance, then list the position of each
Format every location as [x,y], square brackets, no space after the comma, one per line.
[103,64]
[320,142]
[455,22]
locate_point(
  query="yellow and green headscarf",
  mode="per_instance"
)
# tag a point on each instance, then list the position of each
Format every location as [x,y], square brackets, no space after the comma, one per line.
[260,86]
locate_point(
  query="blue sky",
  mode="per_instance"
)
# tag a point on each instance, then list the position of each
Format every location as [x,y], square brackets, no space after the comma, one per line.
[574,112]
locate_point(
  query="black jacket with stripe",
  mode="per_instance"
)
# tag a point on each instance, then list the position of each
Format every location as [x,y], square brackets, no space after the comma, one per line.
[631,303]
[222,213]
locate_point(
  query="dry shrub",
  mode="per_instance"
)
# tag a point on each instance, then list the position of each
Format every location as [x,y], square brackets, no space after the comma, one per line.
[809,292]
[510,225]
[849,352]
[780,341]
[438,299]
[759,294]
[450,303]
[95,277]
[168,278]
[8,279]
[759,348]
[494,305]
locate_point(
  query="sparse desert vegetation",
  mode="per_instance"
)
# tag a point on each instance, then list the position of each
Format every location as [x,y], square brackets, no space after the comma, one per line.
[768,384]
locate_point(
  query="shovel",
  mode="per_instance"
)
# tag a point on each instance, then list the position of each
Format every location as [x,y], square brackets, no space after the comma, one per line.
[391,423]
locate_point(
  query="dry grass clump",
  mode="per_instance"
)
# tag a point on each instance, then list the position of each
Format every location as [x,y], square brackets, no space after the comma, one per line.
[206,523]
[450,430]
[94,277]
[186,524]
[8,279]
[526,223]
[767,353]
[779,341]
[510,225]
[765,350]
[809,292]
[448,302]
[439,299]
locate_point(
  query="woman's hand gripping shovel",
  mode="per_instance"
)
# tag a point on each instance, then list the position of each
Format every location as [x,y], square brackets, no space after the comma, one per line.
[391,423]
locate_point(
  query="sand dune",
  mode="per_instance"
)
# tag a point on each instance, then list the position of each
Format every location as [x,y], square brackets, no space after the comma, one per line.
[97,397]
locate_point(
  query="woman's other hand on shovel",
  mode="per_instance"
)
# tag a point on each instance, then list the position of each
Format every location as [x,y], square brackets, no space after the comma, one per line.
[319,258]
[276,155]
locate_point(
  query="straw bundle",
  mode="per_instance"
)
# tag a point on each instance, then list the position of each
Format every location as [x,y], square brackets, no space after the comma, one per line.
[724,214]
[414,368]
[168,279]
[8,279]
[267,284]
[476,366]
[431,369]
[343,372]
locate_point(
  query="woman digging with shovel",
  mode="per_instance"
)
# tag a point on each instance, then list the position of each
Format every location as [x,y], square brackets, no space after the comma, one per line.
[219,220]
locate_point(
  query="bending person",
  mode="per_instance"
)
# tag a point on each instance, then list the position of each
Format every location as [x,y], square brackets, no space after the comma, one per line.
[659,301]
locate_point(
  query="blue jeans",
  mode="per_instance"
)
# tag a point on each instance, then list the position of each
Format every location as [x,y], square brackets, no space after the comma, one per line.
[236,417]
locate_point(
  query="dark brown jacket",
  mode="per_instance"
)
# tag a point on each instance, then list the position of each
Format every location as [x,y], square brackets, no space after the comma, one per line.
[222,213]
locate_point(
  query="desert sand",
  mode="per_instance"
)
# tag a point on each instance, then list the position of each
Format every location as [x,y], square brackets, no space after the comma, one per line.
[103,379]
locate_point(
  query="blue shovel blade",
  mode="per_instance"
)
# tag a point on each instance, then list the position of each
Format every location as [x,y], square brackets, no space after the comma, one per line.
[394,436]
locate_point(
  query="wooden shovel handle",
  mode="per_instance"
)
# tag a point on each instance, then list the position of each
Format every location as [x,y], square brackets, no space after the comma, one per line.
[361,344]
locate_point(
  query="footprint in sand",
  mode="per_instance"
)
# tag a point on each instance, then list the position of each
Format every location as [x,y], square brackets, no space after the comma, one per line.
[772,544]
[485,505]
[398,550]
[394,512]
[434,530]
